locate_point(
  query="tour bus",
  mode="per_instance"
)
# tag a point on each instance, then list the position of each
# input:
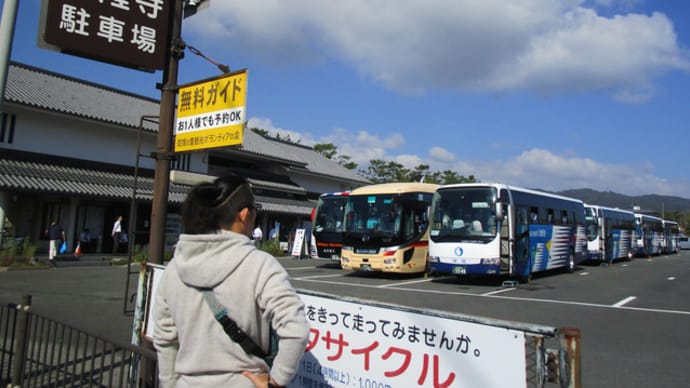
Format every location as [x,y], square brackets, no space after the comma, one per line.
[671,236]
[649,235]
[609,233]
[327,226]
[386,228]
[495,229]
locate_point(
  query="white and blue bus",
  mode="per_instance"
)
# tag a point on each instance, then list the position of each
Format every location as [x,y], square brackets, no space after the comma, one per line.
[327,226]
[671,236]
[609,233]
[649,235]
[495,229]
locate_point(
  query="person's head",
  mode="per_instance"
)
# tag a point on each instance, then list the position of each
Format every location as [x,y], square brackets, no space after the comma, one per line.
[227,203]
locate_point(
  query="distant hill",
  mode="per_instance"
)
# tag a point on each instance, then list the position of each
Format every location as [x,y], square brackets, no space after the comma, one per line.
[654,203]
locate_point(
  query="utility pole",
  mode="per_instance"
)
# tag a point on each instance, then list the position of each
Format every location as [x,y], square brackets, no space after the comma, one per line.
[9,17]
[163,154]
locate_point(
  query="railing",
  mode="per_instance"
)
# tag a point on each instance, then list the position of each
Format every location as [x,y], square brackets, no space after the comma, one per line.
[36,351]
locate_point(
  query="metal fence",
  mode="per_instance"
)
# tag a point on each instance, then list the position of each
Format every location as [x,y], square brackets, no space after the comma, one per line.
[36,351]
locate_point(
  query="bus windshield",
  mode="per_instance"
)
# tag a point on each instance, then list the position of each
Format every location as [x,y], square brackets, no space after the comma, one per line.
[463,214]
[384,219]
[591,223]
[329,214]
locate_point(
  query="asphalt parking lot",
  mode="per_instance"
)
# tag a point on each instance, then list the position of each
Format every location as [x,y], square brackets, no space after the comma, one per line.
[633,315]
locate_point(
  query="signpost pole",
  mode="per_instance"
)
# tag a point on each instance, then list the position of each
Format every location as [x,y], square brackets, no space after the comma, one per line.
[161,180]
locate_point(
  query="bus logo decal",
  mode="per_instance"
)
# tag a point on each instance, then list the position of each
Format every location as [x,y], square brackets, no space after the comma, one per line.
[458,251]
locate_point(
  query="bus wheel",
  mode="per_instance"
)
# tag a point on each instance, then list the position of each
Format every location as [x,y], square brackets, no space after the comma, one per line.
[571,262]
[525,279]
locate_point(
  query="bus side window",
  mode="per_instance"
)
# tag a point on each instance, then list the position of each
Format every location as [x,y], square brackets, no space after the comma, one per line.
[533,215]
[564,217]
[549,216]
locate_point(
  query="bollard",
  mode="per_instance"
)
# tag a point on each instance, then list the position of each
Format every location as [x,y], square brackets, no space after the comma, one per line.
[570,374]
[20,341]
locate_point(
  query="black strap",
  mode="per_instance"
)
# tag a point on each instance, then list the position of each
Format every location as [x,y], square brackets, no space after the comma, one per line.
[239,336]
[230,326]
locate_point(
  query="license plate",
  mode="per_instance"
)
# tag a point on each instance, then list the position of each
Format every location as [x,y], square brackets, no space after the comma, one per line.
[366,267]
[459,270]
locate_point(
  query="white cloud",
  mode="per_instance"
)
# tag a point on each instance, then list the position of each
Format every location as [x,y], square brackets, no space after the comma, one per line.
[441,154]
[488,45]
[539,168]
[534,168]
[273,131]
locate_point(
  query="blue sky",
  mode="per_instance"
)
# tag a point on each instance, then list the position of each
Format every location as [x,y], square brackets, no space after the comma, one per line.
[536,93]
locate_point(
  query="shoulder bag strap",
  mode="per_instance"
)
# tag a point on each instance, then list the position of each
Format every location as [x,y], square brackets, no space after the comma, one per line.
[230,326]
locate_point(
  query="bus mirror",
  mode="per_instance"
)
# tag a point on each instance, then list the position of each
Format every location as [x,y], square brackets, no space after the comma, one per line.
[499,211]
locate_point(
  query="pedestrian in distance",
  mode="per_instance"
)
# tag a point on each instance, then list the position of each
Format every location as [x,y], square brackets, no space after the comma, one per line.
[257,235]
[56,235]
[217,275]
[117,234]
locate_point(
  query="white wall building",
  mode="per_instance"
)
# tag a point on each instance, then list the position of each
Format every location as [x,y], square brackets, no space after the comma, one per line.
[68,150]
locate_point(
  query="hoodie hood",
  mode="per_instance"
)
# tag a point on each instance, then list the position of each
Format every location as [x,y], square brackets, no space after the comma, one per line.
[205,260]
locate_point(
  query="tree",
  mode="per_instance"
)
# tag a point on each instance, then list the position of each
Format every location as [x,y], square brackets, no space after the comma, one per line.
[327,150]
[259,131]
[380,171]
[330,151]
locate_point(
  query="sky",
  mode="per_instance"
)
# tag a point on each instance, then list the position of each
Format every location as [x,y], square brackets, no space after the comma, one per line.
[542,94]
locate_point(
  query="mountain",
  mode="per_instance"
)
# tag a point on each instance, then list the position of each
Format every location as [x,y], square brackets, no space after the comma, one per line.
[652,203]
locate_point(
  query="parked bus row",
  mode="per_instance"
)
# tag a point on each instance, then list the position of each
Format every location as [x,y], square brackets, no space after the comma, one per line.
[478,229]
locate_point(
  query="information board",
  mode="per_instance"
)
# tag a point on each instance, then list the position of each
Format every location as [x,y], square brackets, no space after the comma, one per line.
[358,345]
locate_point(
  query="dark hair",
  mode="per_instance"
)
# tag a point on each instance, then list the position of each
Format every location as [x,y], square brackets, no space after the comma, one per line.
[212,206]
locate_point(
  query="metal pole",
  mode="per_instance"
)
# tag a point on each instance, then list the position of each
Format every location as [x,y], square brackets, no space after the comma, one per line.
[131,230]
[9,17]
[163,154]
[570,375]
[20,341]
[161,178]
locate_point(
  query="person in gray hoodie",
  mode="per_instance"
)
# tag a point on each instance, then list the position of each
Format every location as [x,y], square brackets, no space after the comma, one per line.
[215,253]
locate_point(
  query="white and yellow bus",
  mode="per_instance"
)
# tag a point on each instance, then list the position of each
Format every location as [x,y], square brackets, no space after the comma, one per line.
[386,228]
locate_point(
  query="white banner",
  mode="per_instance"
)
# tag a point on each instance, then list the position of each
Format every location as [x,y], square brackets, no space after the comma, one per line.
[297,242]
[357,345]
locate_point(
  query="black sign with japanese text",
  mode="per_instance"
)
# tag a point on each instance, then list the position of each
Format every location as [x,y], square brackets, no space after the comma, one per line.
[131,33]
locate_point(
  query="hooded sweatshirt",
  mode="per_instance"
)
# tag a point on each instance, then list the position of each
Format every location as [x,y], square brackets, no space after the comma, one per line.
[193,350]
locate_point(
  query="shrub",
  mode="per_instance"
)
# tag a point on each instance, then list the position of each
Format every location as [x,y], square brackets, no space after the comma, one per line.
[271,246]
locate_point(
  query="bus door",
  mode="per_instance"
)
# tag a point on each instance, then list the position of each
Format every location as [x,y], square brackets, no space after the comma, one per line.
[523,266]
[604,240]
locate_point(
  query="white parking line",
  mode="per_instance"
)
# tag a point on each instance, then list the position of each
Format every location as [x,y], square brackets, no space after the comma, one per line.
[563,302]
[625,301]
[403,283]
[317,277]
[500,291]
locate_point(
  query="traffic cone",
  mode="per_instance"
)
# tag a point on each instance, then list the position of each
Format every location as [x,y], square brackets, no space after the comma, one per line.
[77,250]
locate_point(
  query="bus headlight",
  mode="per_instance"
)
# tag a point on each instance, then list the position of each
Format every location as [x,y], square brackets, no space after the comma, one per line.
[390,251]
[494,261]
[434,259]
[344,259]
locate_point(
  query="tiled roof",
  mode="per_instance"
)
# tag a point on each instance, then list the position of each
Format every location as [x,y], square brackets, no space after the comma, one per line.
[31,86]
[282,205]
[59,93]
[48,174]
[51,178]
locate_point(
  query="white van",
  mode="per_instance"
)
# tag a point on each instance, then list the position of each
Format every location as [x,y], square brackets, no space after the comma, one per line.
[683,242]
